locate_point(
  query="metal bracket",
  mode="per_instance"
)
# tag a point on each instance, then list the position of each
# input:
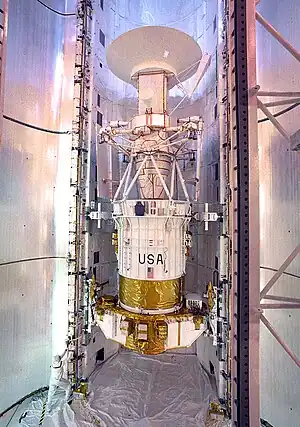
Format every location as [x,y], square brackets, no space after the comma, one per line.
[208,216]
[99,215]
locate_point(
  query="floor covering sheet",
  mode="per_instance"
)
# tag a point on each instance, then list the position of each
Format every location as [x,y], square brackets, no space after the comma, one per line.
[132,390]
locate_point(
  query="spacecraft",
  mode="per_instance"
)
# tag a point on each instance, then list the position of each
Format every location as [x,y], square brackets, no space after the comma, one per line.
[152,207]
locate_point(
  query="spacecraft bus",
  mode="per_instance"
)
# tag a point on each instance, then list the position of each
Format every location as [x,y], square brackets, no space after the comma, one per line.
[152,206]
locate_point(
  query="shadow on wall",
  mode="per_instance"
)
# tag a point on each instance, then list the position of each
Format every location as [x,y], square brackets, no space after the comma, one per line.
[98,350]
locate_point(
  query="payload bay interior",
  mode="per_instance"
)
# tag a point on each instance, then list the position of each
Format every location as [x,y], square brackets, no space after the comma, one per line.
[150,254]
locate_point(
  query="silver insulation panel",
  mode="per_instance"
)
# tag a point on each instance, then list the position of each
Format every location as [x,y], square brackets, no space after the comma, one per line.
[34,177]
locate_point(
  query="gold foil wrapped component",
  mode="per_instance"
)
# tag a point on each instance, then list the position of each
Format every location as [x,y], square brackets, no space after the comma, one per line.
[109,307]
[216,409]
[149,294]
[198,320]
[162,329]
[107,301]
[92,288]
[83,388]
[210,296]
[147,334]
[130,343]
[115,241]
[151,343]
[101,312]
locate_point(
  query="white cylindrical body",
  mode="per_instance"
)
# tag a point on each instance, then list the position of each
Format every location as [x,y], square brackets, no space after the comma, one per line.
[152,247]
[152,89]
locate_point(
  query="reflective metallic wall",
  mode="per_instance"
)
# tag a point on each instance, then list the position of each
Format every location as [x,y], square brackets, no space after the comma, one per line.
[34,176]
[279,216]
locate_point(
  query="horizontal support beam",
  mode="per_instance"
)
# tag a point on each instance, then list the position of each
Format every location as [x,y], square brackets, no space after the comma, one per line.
[287,306]
[282,94]
[282,102]
[280,298]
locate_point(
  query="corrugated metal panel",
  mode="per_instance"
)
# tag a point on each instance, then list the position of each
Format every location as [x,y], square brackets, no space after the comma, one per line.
[280,221]
[34,203]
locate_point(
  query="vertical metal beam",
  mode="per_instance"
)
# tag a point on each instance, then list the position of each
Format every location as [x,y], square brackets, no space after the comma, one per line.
[222,291]
[233,203]
[110,171]
[77,260]
[245,214]
[3,42]
[199,134]
[254,222]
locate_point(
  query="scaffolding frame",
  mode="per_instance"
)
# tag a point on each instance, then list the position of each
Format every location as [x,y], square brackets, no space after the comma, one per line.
[78,235]
[291,97]
[294,140]
[285,302]
[242,150]
[246,302]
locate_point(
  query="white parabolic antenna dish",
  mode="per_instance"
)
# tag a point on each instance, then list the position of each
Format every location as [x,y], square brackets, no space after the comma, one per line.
[153,48]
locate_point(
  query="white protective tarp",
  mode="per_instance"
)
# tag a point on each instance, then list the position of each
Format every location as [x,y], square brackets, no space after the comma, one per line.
[169,390]
[140,391]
